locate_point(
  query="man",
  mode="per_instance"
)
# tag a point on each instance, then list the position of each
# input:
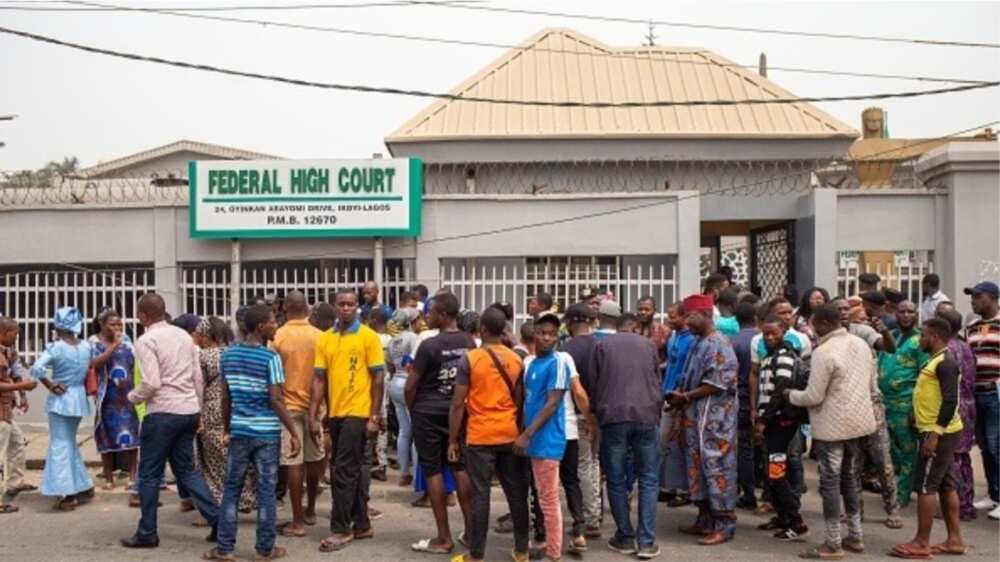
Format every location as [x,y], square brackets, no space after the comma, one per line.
[714,285]
[983,337]
[726,323]
[590,297]
[838,397]
[930,287]
[893,299]
[876,304]
[868,282]
[897,378]
[625,381]
[488,395]
[276,305]
[628,322]
[323,316]
[746,315]
[649,327]
[370,300]
[776,426]
[295,342]
[707,395]
[580,346]
[348,373]
[13,387]
[541,302]
[673,469]
[935,409]
[876,463]
[429,393]
[608,314]
[543,440]
[253,413]
[171,388]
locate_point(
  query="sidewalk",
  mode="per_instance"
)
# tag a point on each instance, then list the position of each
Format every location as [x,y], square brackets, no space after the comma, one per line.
[37,443]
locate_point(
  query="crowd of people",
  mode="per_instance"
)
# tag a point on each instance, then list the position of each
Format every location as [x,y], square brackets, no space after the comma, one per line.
[714,405]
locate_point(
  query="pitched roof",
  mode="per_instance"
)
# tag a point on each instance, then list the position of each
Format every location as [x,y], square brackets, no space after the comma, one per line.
[880,149]
[563,65]
[215,150]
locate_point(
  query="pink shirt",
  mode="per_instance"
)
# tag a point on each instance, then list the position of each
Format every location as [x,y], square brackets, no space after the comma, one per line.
[171,373]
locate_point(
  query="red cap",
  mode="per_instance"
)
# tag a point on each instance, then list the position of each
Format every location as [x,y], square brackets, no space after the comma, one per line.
[698,302]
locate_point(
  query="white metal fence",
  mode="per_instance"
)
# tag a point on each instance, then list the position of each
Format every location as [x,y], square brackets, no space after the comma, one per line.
[904,275]
[480,286]
[205,290]
[32,298]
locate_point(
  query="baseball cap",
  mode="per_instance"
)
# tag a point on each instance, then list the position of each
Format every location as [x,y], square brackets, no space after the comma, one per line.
[550,317]
[578,312]
[874,297]
[984,287]
[610,308]
[894,296]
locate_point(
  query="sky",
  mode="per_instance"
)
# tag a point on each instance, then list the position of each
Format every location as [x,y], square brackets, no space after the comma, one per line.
[71,103]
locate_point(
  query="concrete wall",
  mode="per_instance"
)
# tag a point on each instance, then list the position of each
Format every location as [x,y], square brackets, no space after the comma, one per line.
[884,219]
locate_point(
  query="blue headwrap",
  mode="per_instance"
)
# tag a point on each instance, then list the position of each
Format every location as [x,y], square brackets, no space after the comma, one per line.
[68,319]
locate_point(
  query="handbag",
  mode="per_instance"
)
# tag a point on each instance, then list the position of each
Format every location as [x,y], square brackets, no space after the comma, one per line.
[511,386]
[90,384]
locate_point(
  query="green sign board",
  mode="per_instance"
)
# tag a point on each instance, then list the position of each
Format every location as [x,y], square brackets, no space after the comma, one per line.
[305,198]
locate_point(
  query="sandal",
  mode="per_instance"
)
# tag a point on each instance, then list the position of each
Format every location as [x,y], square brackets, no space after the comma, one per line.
[894,522]
[430,547]
[818,553]
[360,535]
[464,540]
[947,549]
[8,508]
[68,503]
[333,543]
[907,552]
[85,497]
[287,529]
[200,522]
[276,553]
[108,486]
[214,554]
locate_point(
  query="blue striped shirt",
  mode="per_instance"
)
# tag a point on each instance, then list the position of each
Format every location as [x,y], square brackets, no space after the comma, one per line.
[249,370]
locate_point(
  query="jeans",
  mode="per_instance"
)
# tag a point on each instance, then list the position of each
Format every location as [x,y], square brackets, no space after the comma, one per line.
[546,473]
[673,471]
[837,460]
[589,470]
[746,476]
[350,506]
[988,438]
[569,475]
[264,455]
[404,441]
[643,439]
[481,462]
[778,434]
[170,437]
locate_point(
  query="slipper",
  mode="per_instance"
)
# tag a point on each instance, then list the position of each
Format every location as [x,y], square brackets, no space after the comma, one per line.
[815,553]
[200,522]
[108,486]
[333,543]
[894,522]
[214,554]
[66,504]
[368,533]
[309,519]
[287,530]
[428,546]
[8,508]
[906,552]
[948,549]
[276,552]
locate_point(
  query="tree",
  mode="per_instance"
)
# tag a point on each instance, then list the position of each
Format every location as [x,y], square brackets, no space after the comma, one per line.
[44,176]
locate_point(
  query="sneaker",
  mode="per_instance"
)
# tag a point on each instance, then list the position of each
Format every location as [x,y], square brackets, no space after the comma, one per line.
[984,503]
[622,546]
[649,551]
[995,514]
[793,535]
[679,501]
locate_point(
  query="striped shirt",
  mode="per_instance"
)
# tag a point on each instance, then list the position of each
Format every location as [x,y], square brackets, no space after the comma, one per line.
[984,339]
[249,370]
[779,364]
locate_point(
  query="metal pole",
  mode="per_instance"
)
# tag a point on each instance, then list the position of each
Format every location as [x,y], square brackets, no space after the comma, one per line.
[235,277]
[379,260]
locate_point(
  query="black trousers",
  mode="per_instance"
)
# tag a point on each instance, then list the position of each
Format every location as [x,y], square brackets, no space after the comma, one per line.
[569,475]
[350,496]
[481,463]
[778,434]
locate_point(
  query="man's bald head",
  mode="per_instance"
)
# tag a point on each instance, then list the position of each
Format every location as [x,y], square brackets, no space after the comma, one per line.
[152,309]
[369,291]
[296,306]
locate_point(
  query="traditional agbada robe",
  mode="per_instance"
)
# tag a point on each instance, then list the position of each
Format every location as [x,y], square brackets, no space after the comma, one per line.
[898,374]
[710,431]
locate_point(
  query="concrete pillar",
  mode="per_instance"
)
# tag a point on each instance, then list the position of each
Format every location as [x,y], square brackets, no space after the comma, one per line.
[969,172]
[235,281]
[825,238]
[688,243]
[428,262]
[165,258]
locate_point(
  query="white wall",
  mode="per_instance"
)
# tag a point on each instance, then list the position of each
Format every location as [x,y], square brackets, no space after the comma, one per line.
[880,220]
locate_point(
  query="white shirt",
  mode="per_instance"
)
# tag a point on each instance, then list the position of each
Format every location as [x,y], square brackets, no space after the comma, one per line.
[928,308]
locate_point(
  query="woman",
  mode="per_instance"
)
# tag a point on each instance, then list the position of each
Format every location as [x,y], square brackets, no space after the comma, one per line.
[811,300]
[65,475]
[213,335]
[402,347]
[116,424]
[961,467]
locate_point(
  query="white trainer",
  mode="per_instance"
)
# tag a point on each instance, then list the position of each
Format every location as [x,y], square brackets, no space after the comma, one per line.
[995,514]
[984,503]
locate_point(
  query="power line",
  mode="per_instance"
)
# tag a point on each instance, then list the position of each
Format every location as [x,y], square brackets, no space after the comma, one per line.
[179,12]
[264,7]
[789,32]
[456,97]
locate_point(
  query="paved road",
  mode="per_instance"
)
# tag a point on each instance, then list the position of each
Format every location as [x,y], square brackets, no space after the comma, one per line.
[92,533]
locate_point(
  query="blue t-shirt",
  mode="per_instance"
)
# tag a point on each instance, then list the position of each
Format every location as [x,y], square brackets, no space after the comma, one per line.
[678,347]
[249,370]
[543,374]
[728,325]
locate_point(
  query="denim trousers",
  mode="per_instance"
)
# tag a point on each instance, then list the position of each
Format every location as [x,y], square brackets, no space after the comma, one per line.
[170,438]
[404,440]
[988,438]
[837,465]
[264,455]
[641,440]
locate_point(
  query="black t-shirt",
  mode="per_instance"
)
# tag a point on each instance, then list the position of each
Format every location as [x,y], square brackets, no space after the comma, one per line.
[580,348]
[436,366]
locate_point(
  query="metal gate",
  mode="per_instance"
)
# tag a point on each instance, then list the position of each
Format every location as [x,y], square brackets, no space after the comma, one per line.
[772,259]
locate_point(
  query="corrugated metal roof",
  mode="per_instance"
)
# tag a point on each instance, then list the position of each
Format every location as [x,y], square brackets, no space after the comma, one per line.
[563,65]
[215,150]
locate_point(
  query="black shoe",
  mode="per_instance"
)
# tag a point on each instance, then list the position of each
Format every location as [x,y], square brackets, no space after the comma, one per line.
[747,503]
[773,524]
[648,552]
[679,501]
[796,534]
[213,536]
[622,546]
[665,496]
[135,542]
